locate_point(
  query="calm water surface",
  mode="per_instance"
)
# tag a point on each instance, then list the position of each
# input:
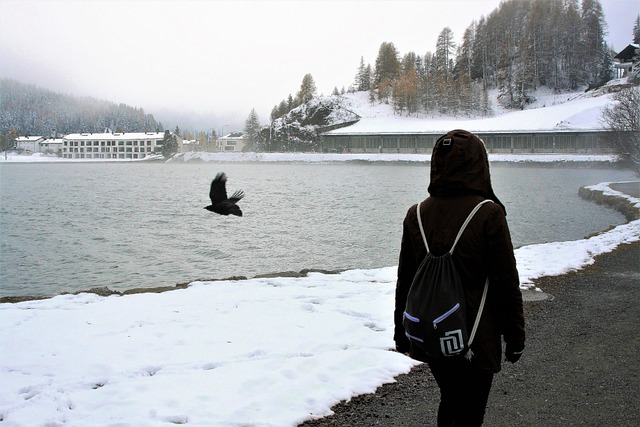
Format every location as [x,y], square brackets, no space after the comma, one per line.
[74,226]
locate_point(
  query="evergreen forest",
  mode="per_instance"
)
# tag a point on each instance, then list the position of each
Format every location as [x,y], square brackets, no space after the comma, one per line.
[521,46]
[27,110]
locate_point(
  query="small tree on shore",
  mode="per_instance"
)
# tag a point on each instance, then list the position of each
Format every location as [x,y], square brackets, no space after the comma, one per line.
[169,144]
[7,143]
[252,130]
[622,120]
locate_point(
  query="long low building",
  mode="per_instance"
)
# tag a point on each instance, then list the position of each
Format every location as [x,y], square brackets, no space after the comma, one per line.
[557,141]
[113,145]
[558,123]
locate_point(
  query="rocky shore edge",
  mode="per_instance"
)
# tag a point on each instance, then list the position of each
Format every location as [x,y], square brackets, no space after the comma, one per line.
[613,199]
[105,291]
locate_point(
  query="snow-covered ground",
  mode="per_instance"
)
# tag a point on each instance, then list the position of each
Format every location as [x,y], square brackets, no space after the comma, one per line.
[13,157]
[551,112]
[258,352]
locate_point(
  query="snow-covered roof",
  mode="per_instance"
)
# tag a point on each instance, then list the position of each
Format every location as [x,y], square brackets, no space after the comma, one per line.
[234,135]
[114,136]
[29,138]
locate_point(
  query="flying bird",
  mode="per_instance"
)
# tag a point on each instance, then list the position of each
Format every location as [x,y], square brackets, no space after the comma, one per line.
[220,204]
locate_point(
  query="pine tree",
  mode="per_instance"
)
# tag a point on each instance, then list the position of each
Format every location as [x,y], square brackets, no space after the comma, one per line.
[307,89]
[7,143]
[464,56]
[636,31]
[397,96]
[366,79]
[445,49]
[372,95]
[592,38]
[363,77]
[510,65]
[408,62]
[252,129]
[406,89]
[387,66]
[169,144]
[479,54]
[570,40]
[358,79]
[406,86]
[428,95]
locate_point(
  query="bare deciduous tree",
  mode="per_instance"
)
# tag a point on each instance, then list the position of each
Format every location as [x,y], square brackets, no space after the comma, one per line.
[622,120]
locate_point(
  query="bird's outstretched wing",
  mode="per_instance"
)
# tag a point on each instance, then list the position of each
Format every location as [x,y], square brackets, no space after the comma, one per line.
[235,197]
[218,191]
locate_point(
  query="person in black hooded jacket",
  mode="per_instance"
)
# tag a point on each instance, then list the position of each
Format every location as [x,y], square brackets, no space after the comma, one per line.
[460,179]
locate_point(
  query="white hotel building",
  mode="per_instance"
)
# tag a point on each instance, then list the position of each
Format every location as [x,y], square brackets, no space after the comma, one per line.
[134,145]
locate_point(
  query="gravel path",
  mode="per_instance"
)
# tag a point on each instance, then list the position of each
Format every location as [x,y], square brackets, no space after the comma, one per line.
[580,368]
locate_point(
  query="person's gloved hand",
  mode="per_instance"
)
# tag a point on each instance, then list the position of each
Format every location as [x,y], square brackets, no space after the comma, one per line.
[513,353]
[402,346]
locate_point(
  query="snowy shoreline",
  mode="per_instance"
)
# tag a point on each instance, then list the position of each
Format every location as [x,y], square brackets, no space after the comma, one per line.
[197,156]
[291,347]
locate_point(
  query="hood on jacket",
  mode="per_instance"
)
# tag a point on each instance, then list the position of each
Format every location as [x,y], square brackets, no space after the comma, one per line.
[460,166]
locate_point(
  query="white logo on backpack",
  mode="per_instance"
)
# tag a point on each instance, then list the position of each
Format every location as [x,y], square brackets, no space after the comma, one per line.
[452,343]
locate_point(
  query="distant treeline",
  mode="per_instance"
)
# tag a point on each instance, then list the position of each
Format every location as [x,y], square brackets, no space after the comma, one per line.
[29,110]
[521,46]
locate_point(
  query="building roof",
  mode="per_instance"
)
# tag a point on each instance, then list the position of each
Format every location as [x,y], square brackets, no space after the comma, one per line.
[626,54]
[234,135]
[29,138]
[114,136]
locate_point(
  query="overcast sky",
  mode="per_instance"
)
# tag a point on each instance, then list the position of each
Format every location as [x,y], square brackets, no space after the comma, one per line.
[215,60]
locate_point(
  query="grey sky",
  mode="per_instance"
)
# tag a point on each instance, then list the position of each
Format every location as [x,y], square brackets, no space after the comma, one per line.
[214,60]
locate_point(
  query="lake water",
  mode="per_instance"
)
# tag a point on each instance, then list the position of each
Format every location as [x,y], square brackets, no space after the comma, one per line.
[74,226]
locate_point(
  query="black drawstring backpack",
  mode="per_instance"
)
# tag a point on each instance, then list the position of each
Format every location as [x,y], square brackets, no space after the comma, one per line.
[435,318]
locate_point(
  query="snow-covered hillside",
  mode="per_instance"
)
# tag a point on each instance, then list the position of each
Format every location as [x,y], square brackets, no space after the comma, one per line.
[353,113]
[549,111]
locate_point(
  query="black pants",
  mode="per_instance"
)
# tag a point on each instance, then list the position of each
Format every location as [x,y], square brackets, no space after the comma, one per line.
[463,392]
